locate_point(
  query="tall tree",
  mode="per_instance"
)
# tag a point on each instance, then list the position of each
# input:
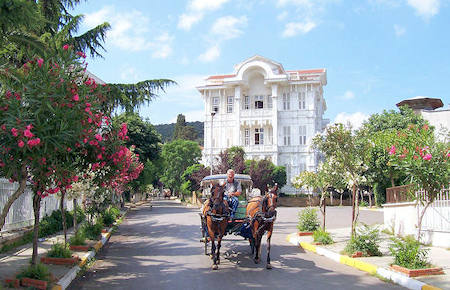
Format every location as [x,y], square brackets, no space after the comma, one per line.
[183,131]
[381,130]
[346,152]
[178,155]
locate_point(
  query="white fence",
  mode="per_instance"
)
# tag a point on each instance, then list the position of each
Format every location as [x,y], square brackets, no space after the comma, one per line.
[403,218]
[21,212]
[437,216]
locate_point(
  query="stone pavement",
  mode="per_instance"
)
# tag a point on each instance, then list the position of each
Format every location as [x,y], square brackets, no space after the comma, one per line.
[379,266]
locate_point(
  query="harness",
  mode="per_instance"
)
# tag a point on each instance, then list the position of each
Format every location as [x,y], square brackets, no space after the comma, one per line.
[264,217]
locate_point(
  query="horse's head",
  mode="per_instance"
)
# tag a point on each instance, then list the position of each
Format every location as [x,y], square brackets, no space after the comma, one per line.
[216,198]
[270,199]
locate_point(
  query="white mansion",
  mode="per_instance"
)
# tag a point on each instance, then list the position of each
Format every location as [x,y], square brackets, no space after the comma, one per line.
[269,111]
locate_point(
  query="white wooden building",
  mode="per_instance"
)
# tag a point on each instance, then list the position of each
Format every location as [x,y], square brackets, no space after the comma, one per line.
[269,111]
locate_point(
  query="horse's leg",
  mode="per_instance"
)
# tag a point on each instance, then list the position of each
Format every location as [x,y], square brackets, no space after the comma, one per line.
[269,235]
[219,243]
[213,254]
[258,248]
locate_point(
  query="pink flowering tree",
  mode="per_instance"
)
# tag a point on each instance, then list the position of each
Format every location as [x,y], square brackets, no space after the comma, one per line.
[424,161]
[52,126]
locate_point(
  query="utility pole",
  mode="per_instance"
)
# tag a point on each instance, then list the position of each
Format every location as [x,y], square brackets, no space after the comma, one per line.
[212,139]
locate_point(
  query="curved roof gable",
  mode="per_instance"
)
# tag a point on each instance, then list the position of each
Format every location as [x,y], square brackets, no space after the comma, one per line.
[257,58]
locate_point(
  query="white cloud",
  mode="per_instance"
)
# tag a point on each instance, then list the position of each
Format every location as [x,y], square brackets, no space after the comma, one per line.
[206,5]
[186,21]
[348,95]
[355,119]
[227,27]
[131,31]
[425,8]
[295,28]
[196,11]
[210,54]
[399,30]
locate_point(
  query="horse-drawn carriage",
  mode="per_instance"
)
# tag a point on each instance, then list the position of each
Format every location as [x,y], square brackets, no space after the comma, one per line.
[254,216]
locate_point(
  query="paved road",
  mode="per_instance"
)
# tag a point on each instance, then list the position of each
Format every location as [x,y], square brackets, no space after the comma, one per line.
[159,248]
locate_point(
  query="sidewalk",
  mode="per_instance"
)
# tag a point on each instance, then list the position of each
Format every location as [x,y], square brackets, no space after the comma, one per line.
[13,261]
[379,266]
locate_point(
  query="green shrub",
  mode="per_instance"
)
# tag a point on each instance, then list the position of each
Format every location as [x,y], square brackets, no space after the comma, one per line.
[59,251]
[78,240]
[81,215]
[366,240]
[321,236]
[38,271]
[407,253]
[92,230]
[110,215]
[307,220]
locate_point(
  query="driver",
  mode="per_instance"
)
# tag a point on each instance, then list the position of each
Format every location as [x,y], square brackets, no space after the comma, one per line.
[233,190]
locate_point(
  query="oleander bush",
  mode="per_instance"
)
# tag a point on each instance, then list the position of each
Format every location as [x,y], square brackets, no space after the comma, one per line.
[365,240]
[321,236]
[110,215]
[91,230]
[308,220]
[59,251]
[78,240]
[408,253]
[38,271]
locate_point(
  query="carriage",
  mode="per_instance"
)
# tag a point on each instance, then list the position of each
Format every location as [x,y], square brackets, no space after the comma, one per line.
[236,225]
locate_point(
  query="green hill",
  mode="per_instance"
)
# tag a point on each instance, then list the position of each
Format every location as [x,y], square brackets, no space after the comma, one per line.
[166,131]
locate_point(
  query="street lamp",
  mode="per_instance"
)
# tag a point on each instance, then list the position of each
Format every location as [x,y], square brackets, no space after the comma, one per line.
[212,134]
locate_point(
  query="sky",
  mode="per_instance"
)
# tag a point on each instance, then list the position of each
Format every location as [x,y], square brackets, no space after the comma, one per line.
[376,52]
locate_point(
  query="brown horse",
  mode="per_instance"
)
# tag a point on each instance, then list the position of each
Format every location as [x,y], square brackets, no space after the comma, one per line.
[217,214]
[261,213]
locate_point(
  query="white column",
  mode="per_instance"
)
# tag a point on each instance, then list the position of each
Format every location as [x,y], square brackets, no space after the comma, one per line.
[237,110]
[275,118]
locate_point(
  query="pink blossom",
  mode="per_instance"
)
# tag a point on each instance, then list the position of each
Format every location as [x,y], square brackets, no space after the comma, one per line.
[87,109]
[27,133]
[21,143]
[99,137]
[34,142]
[76,98]
[14,131]
[448,154]
[392,151]
[427,156]
[29,127]
[40,62]
[66,47]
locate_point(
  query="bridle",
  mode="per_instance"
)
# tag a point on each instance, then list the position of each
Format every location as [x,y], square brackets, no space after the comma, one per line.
[216,205]
[267,214]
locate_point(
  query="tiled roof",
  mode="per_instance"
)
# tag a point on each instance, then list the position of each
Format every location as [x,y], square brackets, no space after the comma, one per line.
[307,71]
[220,77]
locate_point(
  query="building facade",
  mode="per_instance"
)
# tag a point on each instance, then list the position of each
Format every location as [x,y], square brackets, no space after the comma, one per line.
[270,112]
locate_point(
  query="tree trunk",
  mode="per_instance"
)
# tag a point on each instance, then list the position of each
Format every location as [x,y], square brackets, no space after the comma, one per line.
[36,208]
[75,224]
[354,201]
[331,198]
[16,194]
[422,214]
[63,215]
[342,195]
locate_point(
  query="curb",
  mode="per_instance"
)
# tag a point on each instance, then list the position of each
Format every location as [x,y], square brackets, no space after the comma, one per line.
[65,281]
[363,266]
